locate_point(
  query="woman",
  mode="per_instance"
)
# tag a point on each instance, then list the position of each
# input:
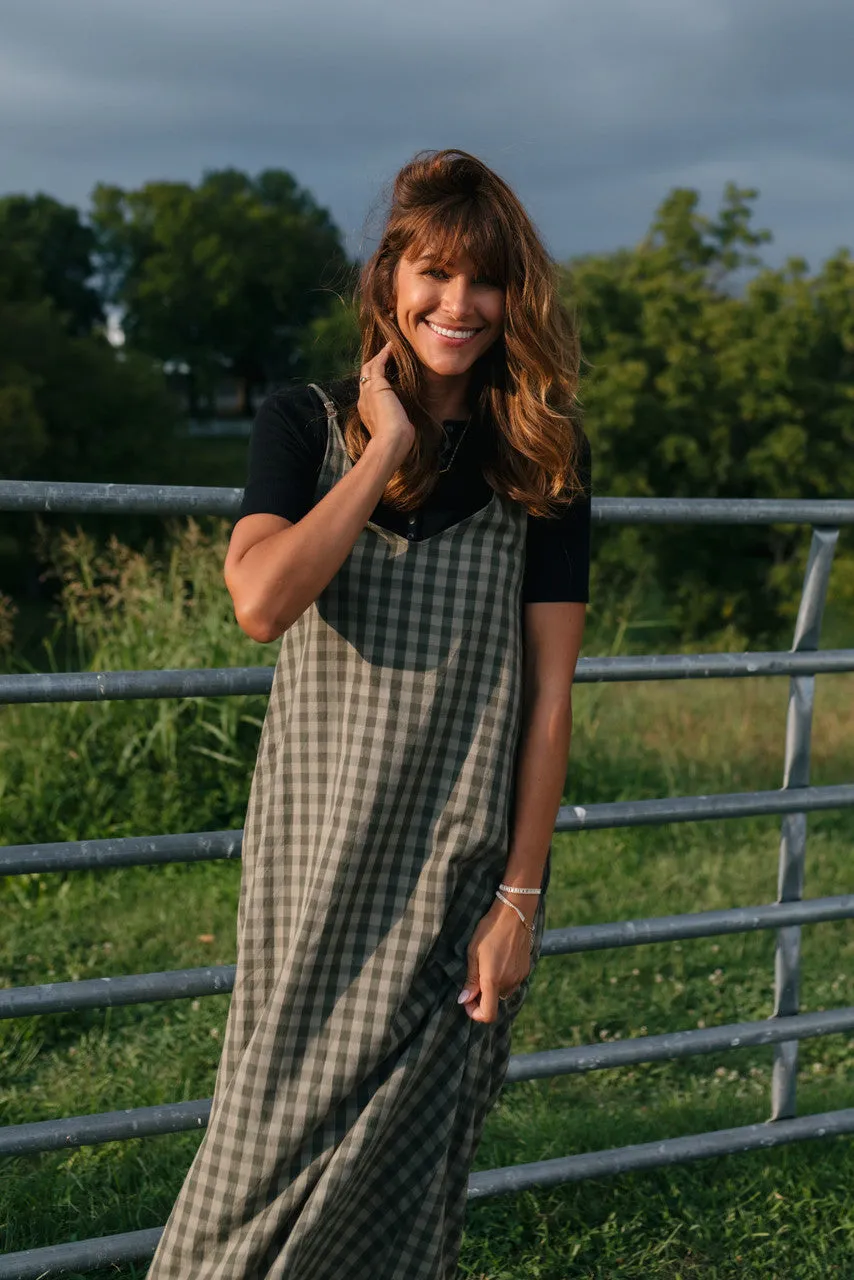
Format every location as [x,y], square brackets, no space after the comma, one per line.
[419,538]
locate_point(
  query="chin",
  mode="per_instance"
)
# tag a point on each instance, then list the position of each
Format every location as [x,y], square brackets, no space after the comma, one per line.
[447,370]
[449,367]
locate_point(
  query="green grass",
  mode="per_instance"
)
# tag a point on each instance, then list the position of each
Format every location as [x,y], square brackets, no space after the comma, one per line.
[784,1213]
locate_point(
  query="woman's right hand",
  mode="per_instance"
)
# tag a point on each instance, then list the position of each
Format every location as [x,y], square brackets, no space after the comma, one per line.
[380,409]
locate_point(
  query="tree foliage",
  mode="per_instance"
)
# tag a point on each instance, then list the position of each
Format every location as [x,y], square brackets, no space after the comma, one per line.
[703,382]
[51,249]
[331,344]
[73,408]
[225,275]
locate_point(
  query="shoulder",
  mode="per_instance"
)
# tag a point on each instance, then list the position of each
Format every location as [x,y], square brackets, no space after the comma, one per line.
[577,511]
[557,561]
[291,410]
[287,446]
[343,392]
[299,407]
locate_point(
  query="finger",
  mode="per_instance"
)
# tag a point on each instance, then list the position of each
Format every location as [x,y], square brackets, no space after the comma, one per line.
[471,986]
[470,992]
[380,360]
[382,354]
[373,372]
[488,1009]
[471,1006]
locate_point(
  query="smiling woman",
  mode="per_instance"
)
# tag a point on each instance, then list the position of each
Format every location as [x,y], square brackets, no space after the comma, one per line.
[397,841]
[450,317]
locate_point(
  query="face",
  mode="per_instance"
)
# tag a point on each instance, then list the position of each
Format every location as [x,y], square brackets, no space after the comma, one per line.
[450,316]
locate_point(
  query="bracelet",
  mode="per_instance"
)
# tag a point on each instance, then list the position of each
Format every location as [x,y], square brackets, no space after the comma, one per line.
[508,903]
[511,888]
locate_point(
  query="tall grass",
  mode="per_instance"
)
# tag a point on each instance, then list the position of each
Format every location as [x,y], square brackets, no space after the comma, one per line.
[72,771]
[136,767]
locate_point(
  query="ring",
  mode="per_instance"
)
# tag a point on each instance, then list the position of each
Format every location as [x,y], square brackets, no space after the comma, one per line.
[365,378]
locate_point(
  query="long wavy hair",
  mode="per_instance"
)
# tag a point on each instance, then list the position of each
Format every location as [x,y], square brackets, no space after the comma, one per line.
[448,203]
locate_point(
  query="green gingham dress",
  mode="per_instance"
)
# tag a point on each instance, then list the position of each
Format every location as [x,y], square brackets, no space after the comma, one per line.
[353,1088]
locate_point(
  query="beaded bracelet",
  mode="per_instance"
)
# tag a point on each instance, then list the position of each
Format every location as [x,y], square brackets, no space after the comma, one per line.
[512,888]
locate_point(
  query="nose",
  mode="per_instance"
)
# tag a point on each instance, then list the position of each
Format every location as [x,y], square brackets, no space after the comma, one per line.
[457,298]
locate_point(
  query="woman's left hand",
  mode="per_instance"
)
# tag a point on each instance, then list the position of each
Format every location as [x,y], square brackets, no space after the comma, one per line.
[499,960]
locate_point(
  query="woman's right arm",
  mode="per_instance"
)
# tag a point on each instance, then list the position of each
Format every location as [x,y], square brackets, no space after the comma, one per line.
[275,569]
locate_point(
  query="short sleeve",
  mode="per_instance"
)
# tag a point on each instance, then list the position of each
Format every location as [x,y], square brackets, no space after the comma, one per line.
[557,560]
[286,450]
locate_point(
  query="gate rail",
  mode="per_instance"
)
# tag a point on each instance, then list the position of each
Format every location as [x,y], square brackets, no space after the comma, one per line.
[784,1029]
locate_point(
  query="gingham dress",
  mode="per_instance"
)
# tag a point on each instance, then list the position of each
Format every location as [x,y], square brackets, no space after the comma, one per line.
[353,1088]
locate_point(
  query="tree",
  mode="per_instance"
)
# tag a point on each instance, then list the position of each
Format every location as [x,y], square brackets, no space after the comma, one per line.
[695,387]
[54,252]
[225,275]
[23,436]
[331,344]
[71,407]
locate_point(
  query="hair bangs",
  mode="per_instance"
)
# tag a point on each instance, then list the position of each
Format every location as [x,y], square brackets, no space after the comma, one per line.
[469,229]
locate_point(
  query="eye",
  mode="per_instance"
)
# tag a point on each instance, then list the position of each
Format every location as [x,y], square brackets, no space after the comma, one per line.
[438,273]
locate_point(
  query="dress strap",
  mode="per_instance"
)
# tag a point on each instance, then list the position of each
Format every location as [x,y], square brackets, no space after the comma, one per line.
[330,407]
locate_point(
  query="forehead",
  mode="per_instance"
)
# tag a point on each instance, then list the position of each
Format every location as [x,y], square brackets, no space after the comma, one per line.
[432,256]
[457,253]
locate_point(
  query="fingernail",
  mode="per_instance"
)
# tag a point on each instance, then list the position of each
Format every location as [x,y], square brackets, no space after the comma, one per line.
[464,995]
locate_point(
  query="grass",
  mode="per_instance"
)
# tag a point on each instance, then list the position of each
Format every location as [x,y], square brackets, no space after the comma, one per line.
[784,1213]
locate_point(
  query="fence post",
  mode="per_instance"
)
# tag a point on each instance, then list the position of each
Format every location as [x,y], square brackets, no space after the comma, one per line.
[793,835]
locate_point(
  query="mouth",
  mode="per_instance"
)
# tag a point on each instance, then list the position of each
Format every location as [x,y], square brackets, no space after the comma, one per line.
[455,337]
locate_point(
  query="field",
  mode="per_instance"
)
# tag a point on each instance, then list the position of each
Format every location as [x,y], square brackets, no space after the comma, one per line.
[141,768]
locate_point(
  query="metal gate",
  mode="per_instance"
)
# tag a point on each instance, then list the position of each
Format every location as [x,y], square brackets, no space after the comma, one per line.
[793,801]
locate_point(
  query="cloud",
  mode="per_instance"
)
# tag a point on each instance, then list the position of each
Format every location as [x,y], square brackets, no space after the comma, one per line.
[591,111]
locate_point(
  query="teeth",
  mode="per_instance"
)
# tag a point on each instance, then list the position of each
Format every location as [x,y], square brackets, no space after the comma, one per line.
[451,333]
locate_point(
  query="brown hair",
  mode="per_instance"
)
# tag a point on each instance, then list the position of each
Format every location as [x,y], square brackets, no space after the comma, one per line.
[449,202]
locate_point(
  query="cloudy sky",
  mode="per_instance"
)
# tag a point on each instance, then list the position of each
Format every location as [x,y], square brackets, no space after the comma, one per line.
[593,110]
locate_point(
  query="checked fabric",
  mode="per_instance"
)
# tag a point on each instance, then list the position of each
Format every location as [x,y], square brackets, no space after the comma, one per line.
[352,1088]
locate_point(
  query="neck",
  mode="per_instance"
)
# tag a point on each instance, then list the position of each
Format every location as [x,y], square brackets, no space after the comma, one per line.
[446,397]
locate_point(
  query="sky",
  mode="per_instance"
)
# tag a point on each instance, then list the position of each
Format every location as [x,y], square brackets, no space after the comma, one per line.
[592,111]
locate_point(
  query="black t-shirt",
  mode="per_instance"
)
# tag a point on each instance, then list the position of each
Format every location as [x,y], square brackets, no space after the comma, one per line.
[286,451]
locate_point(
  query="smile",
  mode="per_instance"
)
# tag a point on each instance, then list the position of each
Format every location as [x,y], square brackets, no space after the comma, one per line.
[457,335]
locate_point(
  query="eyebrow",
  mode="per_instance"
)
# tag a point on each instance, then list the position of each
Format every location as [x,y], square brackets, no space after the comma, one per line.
[432,257]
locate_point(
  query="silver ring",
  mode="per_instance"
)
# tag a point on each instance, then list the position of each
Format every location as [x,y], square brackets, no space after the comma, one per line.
[365,378]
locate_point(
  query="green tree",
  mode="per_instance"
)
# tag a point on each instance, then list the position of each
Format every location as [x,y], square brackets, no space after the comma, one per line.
[23,436]
[331,343]
[704,382]
[71,406]
[222,276]
[54,250]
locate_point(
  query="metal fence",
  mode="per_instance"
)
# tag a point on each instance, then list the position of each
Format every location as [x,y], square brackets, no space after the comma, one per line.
[785,1029]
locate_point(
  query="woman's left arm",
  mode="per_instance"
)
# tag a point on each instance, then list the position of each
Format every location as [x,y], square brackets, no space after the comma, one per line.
[499,953]
[553,633]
